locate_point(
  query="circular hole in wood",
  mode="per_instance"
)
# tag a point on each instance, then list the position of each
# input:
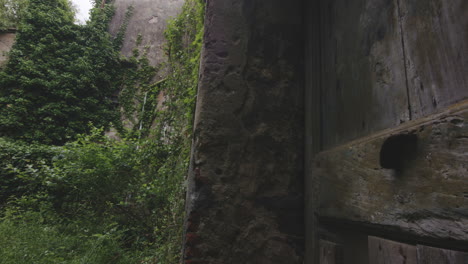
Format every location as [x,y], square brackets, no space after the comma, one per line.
[398,150]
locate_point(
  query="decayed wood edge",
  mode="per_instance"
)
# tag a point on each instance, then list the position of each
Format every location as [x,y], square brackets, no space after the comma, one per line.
[452,110]
[330,253]
[394,233]
[431,255]
[383,251]
[399,229]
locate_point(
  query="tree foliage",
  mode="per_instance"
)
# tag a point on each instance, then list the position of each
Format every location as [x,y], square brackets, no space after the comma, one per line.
[11,13]
[59,75]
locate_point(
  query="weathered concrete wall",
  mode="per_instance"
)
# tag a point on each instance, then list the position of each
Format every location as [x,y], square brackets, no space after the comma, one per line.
[149,20]
[7,39]
[244,202]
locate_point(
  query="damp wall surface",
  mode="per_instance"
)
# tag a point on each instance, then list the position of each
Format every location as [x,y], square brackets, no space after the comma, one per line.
[149,19]
[146,25]
[244,201]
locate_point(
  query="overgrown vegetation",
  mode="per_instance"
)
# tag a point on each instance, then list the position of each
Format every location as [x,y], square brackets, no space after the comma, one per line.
[11,13]
[69,194]
[60,76]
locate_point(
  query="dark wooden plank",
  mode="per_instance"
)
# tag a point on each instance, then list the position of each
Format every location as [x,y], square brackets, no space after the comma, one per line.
[431,255]
[436,47]
[427,197]
[363,75]
[330,253]
[383,251]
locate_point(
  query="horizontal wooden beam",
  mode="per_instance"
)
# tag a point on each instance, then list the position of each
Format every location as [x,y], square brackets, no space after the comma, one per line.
[422,191]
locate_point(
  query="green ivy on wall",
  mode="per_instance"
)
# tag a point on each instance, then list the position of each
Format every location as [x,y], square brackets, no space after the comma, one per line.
[11,12]
[93,199]
[59,75]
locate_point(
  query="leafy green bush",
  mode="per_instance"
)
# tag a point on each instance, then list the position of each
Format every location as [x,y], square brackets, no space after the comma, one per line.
[32,241]
[17,158]
[98,186]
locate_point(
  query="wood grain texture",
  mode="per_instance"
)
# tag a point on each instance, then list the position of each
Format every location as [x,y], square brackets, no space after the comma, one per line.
[385,62]
[431,255]
[363,74]
[427,198]
[382,251]
[435,38]
[330,253]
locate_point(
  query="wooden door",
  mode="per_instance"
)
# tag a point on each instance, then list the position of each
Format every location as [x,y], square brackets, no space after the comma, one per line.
[387,90]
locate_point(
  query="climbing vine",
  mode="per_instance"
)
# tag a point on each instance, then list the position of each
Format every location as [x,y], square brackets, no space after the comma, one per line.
[68,193]
[59,75]
[138,96]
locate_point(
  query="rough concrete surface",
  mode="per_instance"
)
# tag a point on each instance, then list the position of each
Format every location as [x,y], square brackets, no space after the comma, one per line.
[149,19]
[244,202]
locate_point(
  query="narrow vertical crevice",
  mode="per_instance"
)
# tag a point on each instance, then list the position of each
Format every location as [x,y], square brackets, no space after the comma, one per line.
[408,95]
[320,59]
[315,118]
[315,225]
